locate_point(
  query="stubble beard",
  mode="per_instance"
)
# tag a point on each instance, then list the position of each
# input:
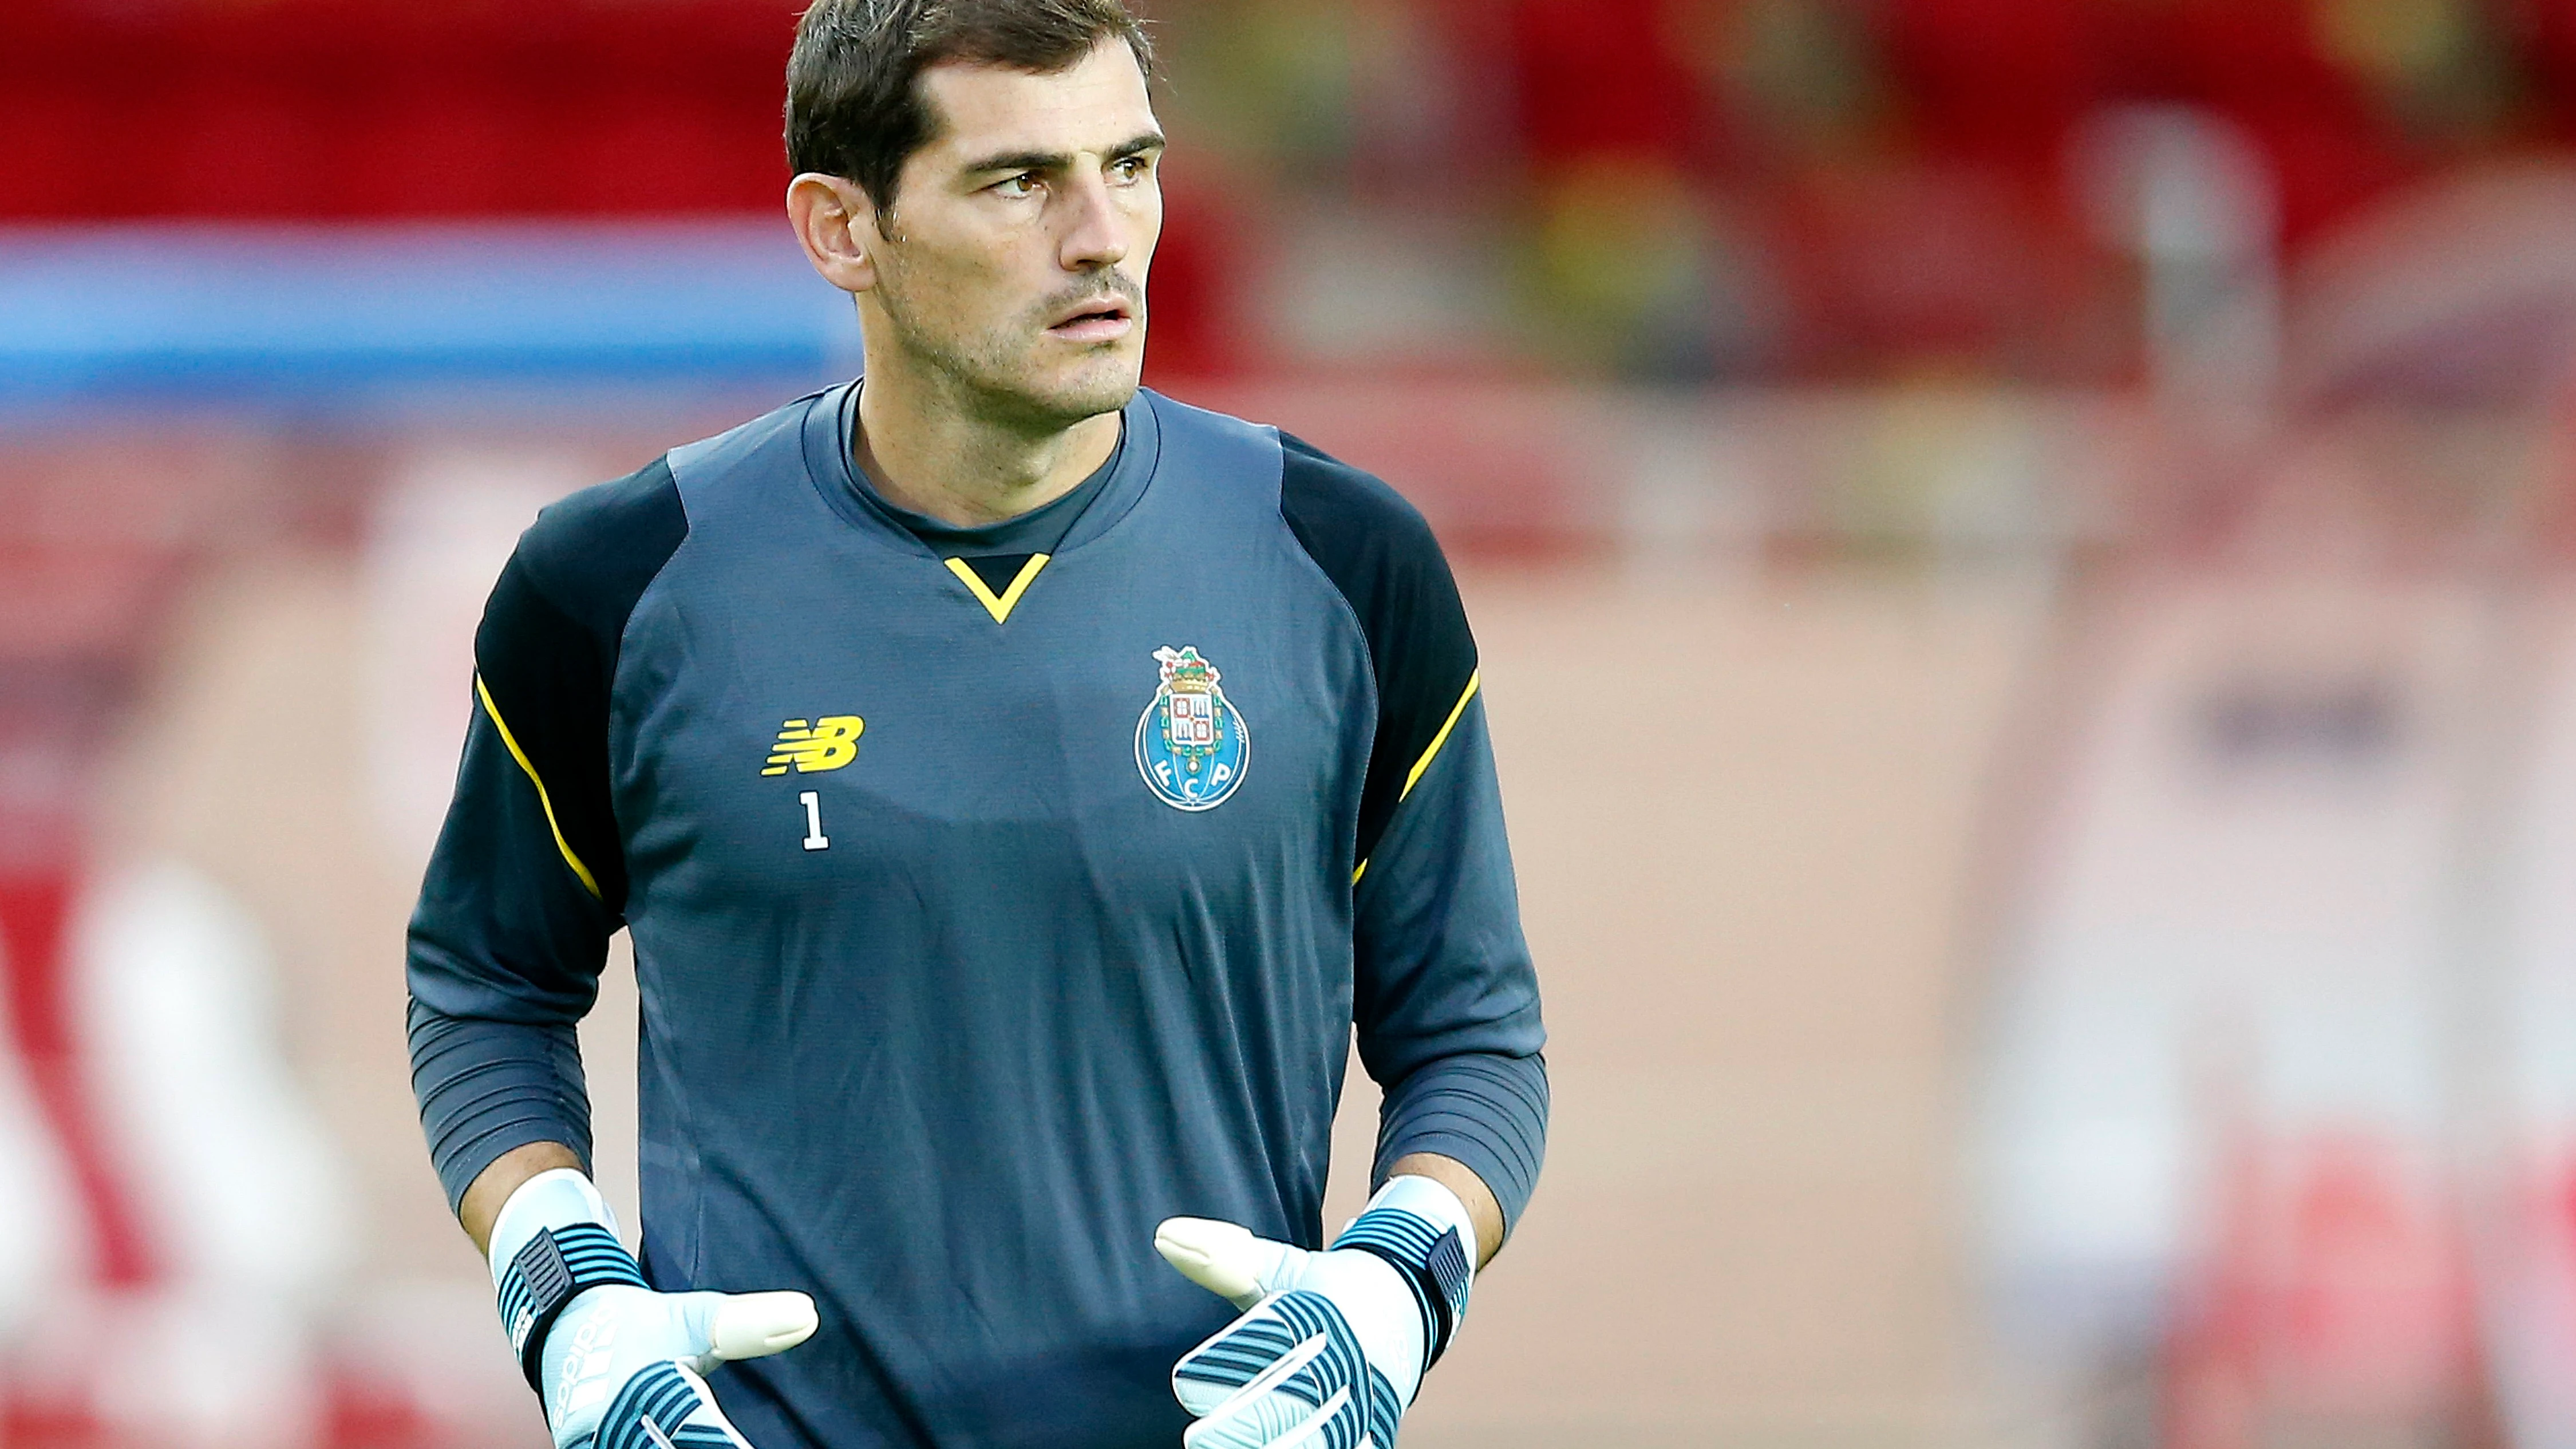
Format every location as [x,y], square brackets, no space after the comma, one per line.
[989,374]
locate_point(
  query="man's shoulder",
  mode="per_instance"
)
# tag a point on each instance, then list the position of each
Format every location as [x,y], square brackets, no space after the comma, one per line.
[1343,506]
[776,439]
[1379,553]
[609,540]
[606,541]
[1374,545]
[1335,508]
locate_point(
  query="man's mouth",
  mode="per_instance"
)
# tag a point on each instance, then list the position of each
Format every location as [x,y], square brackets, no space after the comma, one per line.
[1104,319]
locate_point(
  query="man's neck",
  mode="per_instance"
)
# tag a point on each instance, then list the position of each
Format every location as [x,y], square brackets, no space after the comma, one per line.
[936,458]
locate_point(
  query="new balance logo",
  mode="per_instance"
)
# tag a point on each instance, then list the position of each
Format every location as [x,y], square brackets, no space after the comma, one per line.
[811,745]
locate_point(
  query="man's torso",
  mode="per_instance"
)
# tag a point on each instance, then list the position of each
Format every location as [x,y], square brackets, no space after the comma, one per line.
[973,946]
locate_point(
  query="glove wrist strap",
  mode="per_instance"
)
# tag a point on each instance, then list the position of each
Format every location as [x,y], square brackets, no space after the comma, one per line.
[1432,1260]
[557,1266]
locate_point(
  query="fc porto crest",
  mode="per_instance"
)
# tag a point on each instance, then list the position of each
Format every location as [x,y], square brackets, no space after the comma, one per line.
[1191,746]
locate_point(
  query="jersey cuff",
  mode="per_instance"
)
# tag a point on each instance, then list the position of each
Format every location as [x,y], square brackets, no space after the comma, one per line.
[1487,1110]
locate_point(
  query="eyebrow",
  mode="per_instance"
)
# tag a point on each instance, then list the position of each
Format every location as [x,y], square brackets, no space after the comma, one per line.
[1136,145]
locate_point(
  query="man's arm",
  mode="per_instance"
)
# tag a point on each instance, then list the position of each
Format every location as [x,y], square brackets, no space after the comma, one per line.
[481,1205]
[1482,1207]
[506,947]
[528,881]
[1444,994]
[525,888]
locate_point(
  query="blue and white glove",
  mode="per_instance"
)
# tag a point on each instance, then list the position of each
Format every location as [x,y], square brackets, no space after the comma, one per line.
[616,1363]
[1332,1346]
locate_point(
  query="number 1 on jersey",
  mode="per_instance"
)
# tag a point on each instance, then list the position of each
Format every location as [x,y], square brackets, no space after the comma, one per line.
[815,839]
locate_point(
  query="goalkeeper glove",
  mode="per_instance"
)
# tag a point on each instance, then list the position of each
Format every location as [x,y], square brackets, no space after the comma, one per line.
[617,1364]
[1332,1346]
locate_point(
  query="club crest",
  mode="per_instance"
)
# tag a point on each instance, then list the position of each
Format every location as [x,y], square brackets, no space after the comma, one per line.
[1191,746]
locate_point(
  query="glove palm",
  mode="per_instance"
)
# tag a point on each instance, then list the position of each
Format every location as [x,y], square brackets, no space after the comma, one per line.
[619,1366]
[621,1359]
[1331,1346]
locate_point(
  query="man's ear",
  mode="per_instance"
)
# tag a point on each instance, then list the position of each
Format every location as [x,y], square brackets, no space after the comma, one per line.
[837,226]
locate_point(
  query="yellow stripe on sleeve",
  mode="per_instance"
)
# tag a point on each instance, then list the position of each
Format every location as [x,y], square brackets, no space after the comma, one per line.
[588,881]
[1413,777]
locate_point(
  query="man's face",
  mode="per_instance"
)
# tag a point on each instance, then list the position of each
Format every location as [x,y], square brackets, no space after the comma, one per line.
[1013,261]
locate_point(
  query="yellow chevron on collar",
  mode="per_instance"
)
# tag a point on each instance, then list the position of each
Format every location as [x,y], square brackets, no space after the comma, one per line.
[998,605]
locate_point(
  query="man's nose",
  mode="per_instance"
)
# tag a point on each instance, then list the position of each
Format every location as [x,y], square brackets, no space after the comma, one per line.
[1097,231]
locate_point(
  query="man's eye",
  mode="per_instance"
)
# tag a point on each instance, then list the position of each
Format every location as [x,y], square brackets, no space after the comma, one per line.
[1024,184]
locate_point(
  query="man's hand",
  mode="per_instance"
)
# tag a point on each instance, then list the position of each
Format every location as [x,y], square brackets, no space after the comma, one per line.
[1332,1346]
[616,1363]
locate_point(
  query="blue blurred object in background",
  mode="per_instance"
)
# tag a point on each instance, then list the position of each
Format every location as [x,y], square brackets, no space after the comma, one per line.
[300,317]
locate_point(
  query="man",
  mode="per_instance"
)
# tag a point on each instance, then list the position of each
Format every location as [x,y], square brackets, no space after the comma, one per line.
[1016,786]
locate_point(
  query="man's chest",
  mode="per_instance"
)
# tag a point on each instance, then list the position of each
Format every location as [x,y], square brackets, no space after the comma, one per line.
[1169,731]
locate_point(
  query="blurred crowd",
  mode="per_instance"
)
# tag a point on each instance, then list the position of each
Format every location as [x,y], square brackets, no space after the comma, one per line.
[1667,190]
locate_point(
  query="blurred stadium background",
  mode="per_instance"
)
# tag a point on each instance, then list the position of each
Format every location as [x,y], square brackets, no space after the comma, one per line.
[2024,555]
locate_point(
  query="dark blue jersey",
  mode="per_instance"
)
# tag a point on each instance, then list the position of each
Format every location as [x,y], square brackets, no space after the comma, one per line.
[985,911]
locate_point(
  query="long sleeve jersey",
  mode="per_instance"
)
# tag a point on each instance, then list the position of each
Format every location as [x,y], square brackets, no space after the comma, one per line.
[986,910]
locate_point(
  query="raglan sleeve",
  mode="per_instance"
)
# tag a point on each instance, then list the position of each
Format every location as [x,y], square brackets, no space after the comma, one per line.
[1446,1000]
[526,884]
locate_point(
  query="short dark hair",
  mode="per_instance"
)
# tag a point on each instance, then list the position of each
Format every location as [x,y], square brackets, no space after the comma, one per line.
[854,103]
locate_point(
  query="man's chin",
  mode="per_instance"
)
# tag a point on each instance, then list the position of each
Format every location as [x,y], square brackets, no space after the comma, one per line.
[1071,400]
[1107,399]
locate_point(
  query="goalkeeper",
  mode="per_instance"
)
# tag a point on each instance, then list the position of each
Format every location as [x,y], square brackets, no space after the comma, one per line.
[1017,786]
